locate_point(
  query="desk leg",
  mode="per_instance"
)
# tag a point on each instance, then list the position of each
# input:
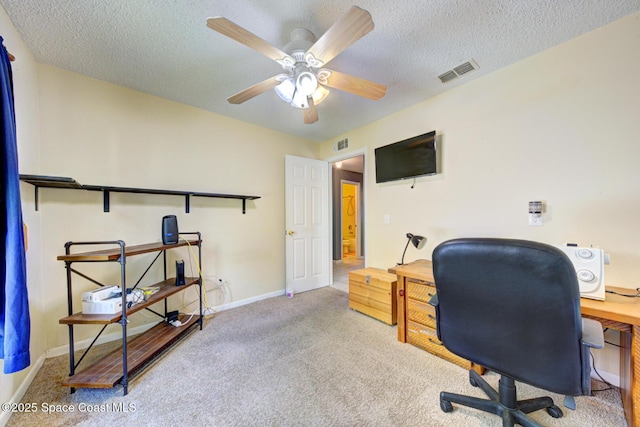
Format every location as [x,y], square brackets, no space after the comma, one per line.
[402,309]
[626,375]
[634,366]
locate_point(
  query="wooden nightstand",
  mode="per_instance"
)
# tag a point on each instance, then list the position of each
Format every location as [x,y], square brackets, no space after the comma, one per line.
[372,291]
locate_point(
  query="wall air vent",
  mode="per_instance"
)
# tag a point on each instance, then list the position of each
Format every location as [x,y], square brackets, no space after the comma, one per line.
[458,71]
[343,144]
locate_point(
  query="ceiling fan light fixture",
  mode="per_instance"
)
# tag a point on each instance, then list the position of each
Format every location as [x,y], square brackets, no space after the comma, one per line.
[286,90]
[306,83]
[299,100]
[319,95]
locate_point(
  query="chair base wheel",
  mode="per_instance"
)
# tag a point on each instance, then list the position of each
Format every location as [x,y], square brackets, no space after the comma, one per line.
[446,406]
[554,411]
[473,382]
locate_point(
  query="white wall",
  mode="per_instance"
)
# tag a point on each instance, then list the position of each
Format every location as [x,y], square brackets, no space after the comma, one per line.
[562,127]
[25,82]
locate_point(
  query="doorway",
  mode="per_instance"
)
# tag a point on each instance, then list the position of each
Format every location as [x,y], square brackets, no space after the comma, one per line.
[348,218]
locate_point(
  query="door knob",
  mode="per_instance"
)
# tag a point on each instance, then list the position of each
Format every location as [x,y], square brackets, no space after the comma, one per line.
[291,232]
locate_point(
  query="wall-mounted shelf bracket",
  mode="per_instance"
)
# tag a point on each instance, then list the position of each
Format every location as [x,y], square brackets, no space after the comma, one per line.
[62,182]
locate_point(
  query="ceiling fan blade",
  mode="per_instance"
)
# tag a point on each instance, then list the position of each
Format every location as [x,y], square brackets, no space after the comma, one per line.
[247,38]
[255,90]
[351,84]
[310,114]
[355,24]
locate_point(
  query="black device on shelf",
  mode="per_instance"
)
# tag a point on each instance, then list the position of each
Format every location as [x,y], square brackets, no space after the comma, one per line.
[409,158]
[169,230]
[180,273]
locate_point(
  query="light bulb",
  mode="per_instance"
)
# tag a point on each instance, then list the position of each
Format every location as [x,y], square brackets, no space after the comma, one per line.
[306,83]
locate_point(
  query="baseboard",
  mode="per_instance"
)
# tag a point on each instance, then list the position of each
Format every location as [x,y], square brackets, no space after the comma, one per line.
[246,301]
[24,386]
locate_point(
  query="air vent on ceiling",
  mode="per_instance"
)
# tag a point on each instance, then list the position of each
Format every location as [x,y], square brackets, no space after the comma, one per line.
[458,71]
[343,144]
[449,75]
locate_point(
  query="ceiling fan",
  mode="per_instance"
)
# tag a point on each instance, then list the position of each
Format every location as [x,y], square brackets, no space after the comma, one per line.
[302,84]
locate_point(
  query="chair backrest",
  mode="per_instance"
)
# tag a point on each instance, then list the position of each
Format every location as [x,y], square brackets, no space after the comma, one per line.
[512,306]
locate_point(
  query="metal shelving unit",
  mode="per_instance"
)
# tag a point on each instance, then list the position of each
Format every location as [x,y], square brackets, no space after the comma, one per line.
[118,366]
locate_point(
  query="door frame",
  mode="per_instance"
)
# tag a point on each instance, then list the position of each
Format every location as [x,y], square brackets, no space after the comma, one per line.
[331,160]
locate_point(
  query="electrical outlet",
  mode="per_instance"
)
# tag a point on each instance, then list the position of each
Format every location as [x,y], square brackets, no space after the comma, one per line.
[387,219]
[535,221]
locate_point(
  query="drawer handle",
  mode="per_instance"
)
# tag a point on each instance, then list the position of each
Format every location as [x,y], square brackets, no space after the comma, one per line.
[435,342]
[431,316]
[430,295]
[401,292]
[368,278]
[420,282]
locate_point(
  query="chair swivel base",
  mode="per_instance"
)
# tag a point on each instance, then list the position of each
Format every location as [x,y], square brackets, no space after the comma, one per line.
[504,404]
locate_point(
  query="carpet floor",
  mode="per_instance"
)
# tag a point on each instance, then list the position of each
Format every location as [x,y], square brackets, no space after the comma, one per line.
[304,361]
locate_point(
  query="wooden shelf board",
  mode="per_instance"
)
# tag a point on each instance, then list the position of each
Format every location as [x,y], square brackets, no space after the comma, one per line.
[166,288]
[107,372]
[113,254]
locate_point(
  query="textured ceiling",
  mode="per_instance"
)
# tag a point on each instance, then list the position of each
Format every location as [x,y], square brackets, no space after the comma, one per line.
[164,48]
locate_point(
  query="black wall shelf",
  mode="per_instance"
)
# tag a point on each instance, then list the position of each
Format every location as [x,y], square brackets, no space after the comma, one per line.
[69,183]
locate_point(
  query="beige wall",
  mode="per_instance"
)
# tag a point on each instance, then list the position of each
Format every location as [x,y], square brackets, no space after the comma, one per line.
[100,133]
[562,127]
[25,83]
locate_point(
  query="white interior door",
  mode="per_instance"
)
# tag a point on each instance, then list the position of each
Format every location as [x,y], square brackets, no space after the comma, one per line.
[307,223]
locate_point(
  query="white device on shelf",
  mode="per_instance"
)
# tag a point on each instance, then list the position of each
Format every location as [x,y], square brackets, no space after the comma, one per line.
[589,264]
[100,294]
[105,306]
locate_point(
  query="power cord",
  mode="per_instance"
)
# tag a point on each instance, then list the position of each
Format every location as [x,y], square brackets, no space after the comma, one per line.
[177,323]
[625,295]
[205,299]
[208,311]
[609,385]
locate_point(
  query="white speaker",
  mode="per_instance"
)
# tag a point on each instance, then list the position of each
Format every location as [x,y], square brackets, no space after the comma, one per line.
[589,265]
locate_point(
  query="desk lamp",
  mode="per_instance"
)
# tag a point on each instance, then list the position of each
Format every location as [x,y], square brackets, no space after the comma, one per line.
[417,241]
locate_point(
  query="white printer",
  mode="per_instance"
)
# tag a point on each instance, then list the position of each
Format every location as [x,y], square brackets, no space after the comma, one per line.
[589,264]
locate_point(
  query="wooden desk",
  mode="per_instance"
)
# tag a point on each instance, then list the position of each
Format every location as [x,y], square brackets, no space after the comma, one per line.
[622,314]
[416,317]
[616,312]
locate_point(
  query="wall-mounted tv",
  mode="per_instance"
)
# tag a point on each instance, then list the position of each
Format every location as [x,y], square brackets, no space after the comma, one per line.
[409,158]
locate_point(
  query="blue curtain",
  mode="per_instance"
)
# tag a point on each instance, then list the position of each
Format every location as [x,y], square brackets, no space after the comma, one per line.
[15,325]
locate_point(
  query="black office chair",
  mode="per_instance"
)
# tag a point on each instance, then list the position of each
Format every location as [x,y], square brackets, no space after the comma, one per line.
[513,306]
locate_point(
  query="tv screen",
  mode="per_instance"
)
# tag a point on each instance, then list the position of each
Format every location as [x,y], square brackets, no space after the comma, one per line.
[410,158]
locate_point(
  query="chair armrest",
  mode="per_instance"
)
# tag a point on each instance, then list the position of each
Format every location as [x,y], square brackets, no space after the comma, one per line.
[592,335]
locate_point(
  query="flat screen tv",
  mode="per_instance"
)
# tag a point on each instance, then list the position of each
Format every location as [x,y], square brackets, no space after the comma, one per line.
[409,158]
